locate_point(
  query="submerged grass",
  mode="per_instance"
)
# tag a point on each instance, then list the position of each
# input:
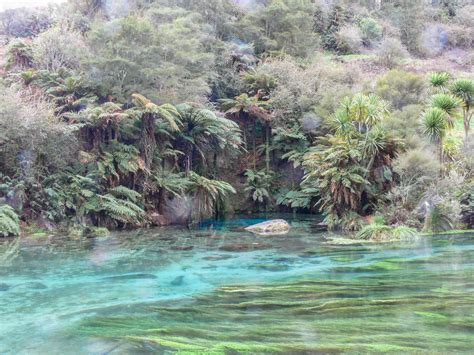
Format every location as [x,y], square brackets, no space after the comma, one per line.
[364,314]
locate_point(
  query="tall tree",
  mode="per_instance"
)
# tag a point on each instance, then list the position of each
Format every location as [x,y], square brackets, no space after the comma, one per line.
[464,90]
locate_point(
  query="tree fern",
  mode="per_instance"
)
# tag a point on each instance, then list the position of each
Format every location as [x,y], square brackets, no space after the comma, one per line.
[125,192]
[208,192]
[9,222]
[166,112]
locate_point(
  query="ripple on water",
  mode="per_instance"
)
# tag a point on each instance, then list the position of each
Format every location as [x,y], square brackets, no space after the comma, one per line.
[222,290]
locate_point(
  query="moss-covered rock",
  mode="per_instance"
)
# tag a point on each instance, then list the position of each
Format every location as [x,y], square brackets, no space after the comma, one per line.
[272,227]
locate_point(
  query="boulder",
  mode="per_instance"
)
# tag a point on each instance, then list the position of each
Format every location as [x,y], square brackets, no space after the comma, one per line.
[272,227]
[157,219]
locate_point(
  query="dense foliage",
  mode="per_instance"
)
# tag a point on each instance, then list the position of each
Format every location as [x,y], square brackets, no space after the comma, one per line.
[128,114]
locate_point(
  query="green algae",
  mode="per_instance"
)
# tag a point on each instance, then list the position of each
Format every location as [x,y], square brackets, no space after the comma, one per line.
[450,232]
[308,315]
[298,296]
[431,315]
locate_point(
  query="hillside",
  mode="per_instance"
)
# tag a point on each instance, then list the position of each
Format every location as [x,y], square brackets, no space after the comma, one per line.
[124,114]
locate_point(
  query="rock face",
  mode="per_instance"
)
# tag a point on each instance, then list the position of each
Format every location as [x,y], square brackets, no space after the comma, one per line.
[272,227]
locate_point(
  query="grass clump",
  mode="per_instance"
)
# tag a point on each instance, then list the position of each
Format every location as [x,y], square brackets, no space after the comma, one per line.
[379,231]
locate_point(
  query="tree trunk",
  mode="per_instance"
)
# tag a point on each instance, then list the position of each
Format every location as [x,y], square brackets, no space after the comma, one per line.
[254,144]
[467,122]
[148,139]
[267,146]
[441,158]
[189,158]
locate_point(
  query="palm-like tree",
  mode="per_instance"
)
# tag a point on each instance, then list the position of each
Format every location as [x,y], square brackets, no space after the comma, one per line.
[368,110]
[448,104]
[99,124]
[464,90]
[208,193]
[435,126]
[439,81]
[250,107]
[334,169]
[148,113]
[363,111]
[68,94]
[204,131]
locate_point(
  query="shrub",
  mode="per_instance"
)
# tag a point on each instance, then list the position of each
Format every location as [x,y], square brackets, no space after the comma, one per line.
[418,166]
[348,40]
[465,16]
[258,185]
[460,36]
[405,124]
[382,233]
[416,169]
[441,203]
[401,88]
[24,22]
[58,48]
[370,30]
[467,204]
[390,52]
[20,55]
[33,135]
[9,222]
[438,220]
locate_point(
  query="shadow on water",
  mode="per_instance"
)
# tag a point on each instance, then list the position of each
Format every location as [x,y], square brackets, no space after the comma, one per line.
[218,289]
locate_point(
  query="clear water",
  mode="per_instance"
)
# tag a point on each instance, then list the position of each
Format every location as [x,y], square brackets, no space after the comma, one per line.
[218,289]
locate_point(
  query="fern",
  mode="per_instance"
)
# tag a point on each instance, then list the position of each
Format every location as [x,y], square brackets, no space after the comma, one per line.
[9,222]
[208,192]
[173,183]
[258,185]
[122,191]
[166,112]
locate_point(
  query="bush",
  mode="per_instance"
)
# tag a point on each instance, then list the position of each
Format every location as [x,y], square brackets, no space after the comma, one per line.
[382,233]
[401,88]
[20,55]
[58,48]
[370,31]
[467,204]
[24,22]
[441,204]
[465,16]
[390,52]
[9,222]
[417,165]
[348,40]
[416,169]
[405,124]
[438,220]
[33,136]
[460,36]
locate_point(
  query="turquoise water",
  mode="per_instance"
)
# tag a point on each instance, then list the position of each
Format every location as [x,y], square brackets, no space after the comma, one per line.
[219,289]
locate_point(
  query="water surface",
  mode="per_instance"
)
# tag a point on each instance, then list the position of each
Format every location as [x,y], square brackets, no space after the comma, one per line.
[218,289]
